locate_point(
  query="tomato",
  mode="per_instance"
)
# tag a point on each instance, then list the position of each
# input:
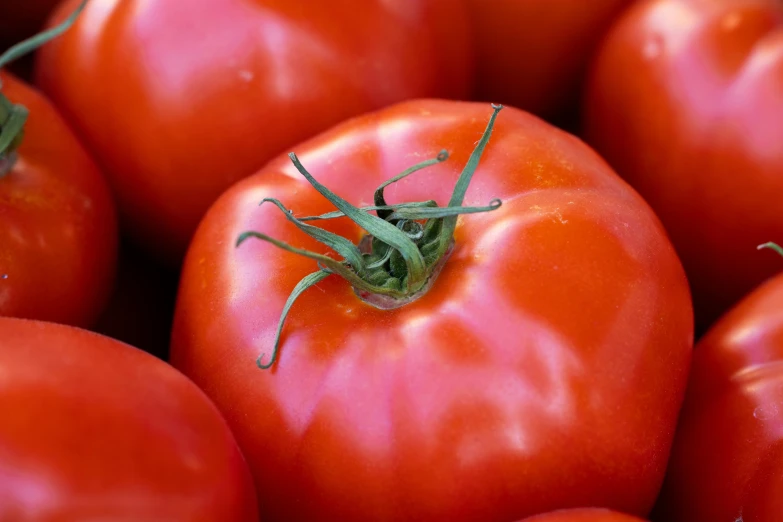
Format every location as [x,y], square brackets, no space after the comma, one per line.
[176,115]
[543,369]
[58,225]
[583,515]
[20,19]
[533,54]
[96,430]
[684,101]
[727,462]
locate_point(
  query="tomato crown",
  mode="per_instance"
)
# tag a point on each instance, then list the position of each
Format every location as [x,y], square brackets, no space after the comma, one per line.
[406,245]
[14,116]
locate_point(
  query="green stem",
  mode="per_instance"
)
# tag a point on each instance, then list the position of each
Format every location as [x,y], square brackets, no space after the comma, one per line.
[772,246]
[374,225]
[400,258]
[12,116]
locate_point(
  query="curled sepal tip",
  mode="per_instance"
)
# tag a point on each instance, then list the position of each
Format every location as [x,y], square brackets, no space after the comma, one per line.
[306,282]
[772,246]
[380,201]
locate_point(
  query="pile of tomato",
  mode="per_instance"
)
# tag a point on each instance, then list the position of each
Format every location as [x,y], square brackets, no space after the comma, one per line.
[408,260]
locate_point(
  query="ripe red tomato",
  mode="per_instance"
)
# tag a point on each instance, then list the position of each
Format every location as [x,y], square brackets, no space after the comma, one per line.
[20,19]
[533,54]
[96,430]
[543,369]
[583,515]
[58,226]
[727,461]
[179,100]
[685,102]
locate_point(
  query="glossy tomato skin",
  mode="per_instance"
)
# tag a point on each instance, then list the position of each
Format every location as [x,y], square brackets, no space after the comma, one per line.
[176,115]
[684,101]
[583,515]
[21,19]
[533,54]
[727,462]
[58,224]
[544,369]
[97,430]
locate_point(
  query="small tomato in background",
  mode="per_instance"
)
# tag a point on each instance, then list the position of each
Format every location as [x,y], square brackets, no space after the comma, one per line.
[583,515]
[97,430]
[543,369]
[685,101]
[58,225]
[179,99]
[533,54]
[727,460]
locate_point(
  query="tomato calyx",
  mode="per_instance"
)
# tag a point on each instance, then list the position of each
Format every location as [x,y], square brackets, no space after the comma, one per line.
[772,246]
[14,116]
[406,246]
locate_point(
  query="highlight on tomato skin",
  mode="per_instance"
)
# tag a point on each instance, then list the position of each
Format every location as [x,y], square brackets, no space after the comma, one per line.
[175,116]
[727,458]
[546,363]
[684,102]
[583,515]
[94,429]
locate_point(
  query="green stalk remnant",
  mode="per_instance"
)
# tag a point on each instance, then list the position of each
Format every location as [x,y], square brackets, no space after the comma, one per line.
[14,116]
[406,247]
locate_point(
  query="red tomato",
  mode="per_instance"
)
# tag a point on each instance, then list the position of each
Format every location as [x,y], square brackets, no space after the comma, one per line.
[178,100]
[20,19]
[727,462]
[685,102]
[58,228]
[533,54]
[544,369]
[583,515]
[96,430]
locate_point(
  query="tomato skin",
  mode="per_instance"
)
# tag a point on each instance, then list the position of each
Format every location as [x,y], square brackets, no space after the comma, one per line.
[97,430]
[533,54]
[175,117]
[489,398]
[727,461]
[583,515]
[688,113]
[21,19]
[58,224]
